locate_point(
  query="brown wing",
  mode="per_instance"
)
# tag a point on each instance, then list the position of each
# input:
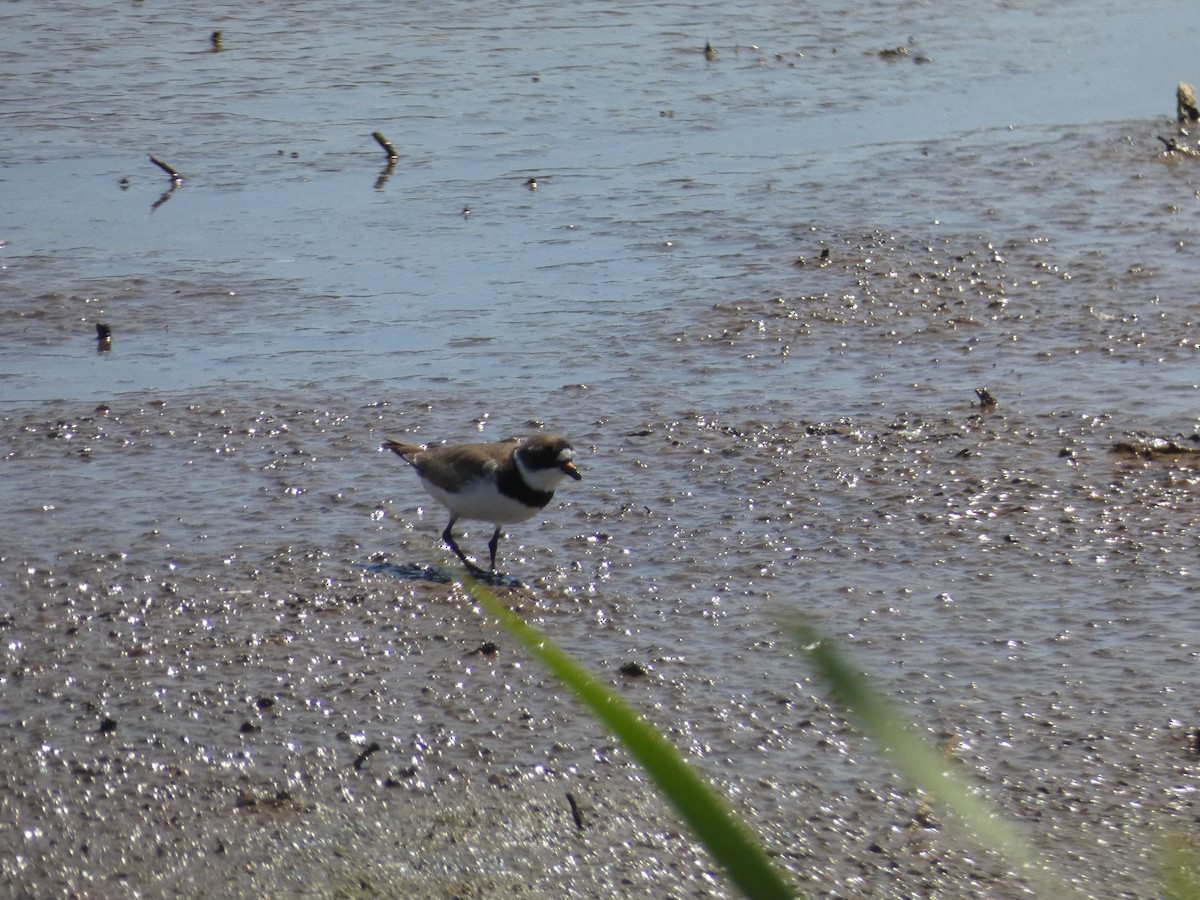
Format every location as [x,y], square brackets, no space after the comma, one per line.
[452,467]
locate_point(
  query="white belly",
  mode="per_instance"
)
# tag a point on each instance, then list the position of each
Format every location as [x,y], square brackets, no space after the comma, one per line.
[480,500]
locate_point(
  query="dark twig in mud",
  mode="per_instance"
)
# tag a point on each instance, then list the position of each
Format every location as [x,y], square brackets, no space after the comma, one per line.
[362,757]
[386,145]
[575,813]
[176,178]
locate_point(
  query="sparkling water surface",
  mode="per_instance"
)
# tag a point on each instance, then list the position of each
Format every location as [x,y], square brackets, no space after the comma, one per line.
[758,292]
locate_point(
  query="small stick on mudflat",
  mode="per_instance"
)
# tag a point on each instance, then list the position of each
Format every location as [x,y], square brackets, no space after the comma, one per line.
[386,145]
[575,813]
[176,178]
[362,757]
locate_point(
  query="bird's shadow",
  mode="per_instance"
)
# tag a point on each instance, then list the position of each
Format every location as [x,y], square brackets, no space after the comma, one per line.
[437,575]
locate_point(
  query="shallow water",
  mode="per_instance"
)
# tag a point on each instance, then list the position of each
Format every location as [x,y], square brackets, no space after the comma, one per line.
[214,595]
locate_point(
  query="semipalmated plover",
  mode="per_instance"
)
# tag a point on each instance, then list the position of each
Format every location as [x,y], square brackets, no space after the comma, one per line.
[504,482]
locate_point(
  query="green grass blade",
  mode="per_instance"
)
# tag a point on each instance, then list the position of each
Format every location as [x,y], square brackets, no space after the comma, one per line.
[919,760]
[698,804]
[1179,869]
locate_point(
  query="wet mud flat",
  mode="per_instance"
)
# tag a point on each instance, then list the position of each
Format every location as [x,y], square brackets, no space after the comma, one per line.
[225,667]
[227,664]
[227,671]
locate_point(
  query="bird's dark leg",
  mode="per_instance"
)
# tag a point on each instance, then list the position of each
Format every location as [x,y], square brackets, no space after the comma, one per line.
[448,537]
[493,544]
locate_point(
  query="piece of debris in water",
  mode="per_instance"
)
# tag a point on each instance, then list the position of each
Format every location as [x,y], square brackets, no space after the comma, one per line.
[1149,447]
[1185,104]
[383,142]
[986,400]
[1173,146]
[176,178]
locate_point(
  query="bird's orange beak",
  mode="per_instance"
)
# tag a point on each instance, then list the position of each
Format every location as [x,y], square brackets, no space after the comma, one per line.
[569,468]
